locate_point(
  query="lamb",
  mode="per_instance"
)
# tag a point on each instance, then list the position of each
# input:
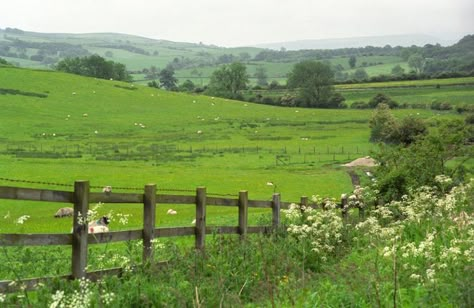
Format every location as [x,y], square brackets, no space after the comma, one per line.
[64,212]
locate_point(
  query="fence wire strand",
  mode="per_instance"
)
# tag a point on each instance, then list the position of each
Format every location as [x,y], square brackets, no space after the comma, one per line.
[113,187]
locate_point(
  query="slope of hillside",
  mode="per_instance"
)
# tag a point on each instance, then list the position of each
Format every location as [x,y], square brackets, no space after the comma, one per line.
[59,127]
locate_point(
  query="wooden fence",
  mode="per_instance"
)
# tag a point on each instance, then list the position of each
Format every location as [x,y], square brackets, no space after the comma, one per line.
[79,239]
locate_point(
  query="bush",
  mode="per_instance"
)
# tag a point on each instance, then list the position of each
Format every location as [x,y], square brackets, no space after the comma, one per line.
[360,105]
[418,106]
[469,119]
[442,106]
[381,98]
[268,100]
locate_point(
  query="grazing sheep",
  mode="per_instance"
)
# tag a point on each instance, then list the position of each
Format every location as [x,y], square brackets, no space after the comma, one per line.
[64,212]
[171,212]
[107,189]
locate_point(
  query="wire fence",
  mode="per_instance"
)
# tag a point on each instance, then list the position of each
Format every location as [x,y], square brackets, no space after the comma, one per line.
[157,152]
[179,190]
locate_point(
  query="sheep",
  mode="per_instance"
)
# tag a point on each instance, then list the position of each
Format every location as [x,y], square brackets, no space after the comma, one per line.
[99,226]
[64,212]
[107,189]
[171,212]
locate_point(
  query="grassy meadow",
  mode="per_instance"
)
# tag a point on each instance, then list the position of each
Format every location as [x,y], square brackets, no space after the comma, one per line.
[58,128]
[126,135]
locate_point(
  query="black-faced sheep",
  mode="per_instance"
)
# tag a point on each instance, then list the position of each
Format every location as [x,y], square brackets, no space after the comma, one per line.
[99,226]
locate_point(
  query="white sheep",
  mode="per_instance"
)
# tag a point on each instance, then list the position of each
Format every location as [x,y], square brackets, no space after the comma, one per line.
[64,212]
[107,189]
[171,212]
[99,226]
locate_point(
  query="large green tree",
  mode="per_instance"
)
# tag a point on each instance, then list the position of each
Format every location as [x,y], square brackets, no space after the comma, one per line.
[315,83]
[228,80]
[352,61]
[416,62]
[167,79]
[261,75]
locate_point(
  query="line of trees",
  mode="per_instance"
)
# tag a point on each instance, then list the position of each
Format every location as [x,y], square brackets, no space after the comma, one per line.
[94,66]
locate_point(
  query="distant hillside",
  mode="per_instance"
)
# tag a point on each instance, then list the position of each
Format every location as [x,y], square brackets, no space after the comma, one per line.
[41,50]
[356,42]
[145,57]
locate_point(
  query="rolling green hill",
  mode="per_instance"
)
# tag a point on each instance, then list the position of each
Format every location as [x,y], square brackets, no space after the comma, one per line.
[58,127]
[197,61]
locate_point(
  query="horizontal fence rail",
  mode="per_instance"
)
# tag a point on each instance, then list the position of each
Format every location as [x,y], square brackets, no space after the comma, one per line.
[79,239]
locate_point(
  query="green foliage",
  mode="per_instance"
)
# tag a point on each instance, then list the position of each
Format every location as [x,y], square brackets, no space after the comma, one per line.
[153,84]
[315,83]
[426,156]
[94,66]
[436,105]
[261,75]
[228,80]
[187,86]
[167,79]
[397,70]
[352,61]
[410,129]
[381,98]
[4,62]
[383,126]
[416,62]
[360,74]
[360,105]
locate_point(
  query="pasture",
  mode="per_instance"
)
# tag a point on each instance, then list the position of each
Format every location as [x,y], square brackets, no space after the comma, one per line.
[58,128]
[127,135]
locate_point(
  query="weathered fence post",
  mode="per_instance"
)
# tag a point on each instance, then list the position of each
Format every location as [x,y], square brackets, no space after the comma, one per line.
[149,210]
[200,218]
[276,205]
[243,212]
[344,208]
[361,213]
[304,201]
[79,229]
[303,204]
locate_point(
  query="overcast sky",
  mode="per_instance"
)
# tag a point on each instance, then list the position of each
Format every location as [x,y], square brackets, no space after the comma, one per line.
[242,22]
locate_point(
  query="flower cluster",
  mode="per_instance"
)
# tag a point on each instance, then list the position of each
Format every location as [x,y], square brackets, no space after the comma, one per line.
[92,214]
[81,298]
[431,233]
[322,228]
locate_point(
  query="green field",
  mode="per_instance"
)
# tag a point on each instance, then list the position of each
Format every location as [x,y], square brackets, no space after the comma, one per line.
[58,128]
[455,91]
[134,135]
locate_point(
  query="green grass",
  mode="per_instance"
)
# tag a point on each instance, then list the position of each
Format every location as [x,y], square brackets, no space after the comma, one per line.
[239,147]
